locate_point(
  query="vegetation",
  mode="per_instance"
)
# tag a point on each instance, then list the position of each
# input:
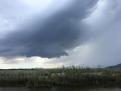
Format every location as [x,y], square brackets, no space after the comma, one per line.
[71,76]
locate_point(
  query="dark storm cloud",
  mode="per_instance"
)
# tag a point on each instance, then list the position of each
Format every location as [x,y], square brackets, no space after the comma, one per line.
[62,31]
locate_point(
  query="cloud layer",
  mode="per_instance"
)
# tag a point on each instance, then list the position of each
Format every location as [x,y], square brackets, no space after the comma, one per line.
[49,36]
[88,31]
[103,46]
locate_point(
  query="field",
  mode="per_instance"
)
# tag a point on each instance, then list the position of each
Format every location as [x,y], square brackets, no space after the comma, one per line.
[71,76]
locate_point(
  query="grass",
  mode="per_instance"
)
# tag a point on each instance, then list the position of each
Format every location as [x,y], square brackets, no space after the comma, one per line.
[71,76]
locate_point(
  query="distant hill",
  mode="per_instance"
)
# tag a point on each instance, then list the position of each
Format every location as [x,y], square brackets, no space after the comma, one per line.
[115,66]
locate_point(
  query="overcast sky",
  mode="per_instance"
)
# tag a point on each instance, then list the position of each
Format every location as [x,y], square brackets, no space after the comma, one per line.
[53,33]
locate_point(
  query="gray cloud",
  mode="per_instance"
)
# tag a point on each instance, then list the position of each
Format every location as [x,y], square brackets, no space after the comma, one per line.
[104,45]
[52,36]
[107,44]
[89,38]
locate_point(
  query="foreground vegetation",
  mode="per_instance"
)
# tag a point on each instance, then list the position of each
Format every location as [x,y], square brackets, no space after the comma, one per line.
[71,76]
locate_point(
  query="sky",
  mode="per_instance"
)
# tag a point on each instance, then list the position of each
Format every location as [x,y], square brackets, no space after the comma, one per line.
[56,33]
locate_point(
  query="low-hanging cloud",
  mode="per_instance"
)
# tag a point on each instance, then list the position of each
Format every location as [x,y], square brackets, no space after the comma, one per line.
[89,28]
[104,47]
[51,36]
[107,27]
